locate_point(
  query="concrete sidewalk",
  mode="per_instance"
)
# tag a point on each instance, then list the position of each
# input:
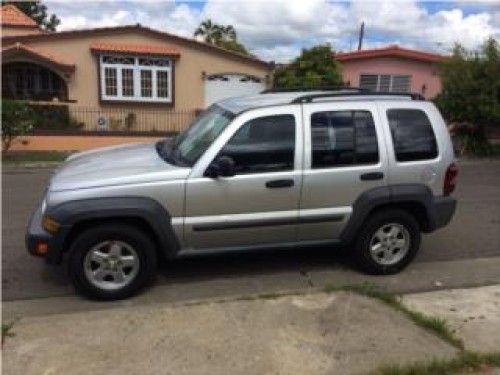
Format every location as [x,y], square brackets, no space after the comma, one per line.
[474,314]
[315,333]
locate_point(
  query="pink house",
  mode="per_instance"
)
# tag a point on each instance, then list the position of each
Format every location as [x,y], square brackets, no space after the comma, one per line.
[392,69]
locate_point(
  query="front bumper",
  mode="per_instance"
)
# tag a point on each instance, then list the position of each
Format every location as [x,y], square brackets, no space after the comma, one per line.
[35,235]
[445,209]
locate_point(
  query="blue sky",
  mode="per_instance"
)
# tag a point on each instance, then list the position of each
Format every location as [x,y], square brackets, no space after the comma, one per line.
[278,29]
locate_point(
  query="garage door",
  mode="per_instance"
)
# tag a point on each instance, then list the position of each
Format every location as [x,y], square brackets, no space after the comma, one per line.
[223,86]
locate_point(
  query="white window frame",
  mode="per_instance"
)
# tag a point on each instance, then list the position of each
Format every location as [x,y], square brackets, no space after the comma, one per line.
[391,80]
[137,97]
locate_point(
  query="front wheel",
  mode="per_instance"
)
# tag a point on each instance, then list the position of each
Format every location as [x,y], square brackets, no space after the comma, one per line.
[111,262]
[388,242]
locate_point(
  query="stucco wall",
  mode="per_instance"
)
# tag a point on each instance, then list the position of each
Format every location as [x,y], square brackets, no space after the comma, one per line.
[421,72]
[83,85]
[19,30]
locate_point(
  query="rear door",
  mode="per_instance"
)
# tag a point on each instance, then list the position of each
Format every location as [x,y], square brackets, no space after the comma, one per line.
[344,156]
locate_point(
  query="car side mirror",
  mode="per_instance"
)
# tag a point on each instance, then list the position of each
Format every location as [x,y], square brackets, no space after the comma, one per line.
[222,166]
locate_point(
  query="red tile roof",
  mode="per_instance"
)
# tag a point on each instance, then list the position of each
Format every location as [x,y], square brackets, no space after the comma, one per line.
[30,51]
[143,49]
[391,51]
[11,16]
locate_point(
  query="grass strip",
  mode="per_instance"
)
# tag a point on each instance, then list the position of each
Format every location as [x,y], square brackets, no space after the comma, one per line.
[437,326]
[18,157]
[465,362]
[7,330]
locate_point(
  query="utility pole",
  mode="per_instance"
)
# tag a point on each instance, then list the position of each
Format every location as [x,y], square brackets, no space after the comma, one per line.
[361,35]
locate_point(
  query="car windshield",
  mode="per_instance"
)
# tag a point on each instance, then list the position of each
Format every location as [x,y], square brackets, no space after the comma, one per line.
[195,140]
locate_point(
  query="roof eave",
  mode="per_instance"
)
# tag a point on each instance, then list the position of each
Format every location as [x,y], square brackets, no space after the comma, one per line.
[105,30]
[19,26]
[13,50]
[381,55]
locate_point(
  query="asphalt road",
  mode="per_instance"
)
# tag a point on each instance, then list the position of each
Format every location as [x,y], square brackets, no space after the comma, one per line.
[473,234]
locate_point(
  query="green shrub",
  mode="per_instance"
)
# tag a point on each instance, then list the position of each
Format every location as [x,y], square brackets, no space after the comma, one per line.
[130,121]
[17,120]
[54,117]
[470,99]
[314,68]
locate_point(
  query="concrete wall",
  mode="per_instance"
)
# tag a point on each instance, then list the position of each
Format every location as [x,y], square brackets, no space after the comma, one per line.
[421,72]
[73,143]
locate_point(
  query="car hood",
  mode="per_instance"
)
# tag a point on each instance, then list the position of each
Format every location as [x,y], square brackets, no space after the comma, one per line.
[118,165]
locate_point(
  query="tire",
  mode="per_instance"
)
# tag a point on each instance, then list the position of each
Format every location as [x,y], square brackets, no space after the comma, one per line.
[111,262]
[387,242]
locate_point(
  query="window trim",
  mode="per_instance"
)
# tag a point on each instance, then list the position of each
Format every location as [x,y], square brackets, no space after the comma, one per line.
[136,68]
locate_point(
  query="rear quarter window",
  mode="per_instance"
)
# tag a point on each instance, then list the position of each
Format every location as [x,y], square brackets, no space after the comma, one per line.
[412,135]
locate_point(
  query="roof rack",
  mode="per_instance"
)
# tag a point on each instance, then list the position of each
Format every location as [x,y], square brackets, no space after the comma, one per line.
[308,98]
[325,88]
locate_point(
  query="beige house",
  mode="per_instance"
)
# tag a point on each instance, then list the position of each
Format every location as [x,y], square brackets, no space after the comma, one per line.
[118,73]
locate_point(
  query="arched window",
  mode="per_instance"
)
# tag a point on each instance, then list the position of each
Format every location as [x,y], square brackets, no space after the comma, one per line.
[28,81]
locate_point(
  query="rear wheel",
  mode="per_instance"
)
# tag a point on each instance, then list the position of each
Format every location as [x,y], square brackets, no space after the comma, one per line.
[111,262]
[388,242]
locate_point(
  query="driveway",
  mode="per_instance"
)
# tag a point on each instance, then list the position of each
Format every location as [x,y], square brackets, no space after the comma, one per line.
[473,234]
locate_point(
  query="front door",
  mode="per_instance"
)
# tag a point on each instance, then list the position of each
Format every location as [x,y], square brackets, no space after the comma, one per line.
[344,157]
[259,204]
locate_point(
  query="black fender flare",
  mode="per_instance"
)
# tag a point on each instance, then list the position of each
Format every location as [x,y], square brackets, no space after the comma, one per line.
[391,194]
[72,213]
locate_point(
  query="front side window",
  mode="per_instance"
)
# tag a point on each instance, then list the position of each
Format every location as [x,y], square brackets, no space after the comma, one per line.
[191,144]
[412,135]
[139,79]
[342,138]
[264,144]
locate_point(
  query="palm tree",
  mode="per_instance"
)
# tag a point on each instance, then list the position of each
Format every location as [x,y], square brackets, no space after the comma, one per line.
[211,32]
[228,33]
[219,35]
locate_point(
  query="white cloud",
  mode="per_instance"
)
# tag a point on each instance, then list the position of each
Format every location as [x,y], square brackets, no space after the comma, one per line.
[165,15]
[278,29]
[452,26]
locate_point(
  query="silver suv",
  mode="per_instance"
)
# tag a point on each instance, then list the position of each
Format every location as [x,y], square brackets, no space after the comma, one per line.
[368,170]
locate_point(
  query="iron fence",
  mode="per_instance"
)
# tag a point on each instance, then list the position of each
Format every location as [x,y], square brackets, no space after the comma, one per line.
[64,118]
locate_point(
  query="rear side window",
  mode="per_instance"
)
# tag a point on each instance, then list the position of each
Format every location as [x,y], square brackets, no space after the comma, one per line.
[341,138]
[412,135]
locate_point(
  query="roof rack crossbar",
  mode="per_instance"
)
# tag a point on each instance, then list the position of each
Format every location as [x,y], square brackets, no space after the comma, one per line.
[308,98]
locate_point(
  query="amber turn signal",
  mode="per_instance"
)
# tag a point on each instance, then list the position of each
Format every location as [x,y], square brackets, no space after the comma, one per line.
[50,225]
[42,248]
